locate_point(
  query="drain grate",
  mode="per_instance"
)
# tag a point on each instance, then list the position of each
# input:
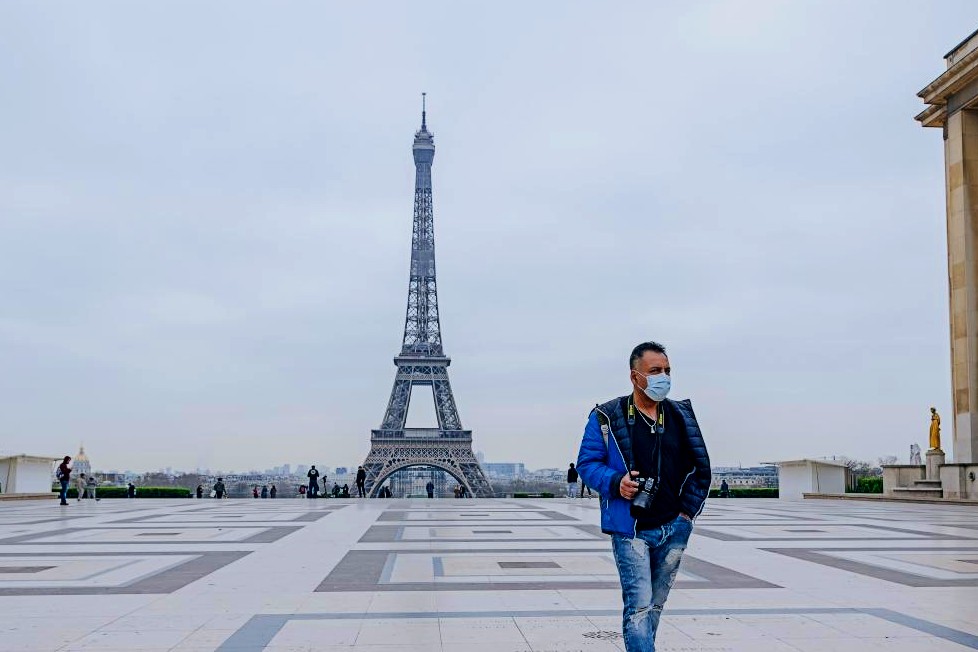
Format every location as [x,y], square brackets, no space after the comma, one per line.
[603,635]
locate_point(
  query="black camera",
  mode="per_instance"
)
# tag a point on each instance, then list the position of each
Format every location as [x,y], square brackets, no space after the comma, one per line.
[647,488]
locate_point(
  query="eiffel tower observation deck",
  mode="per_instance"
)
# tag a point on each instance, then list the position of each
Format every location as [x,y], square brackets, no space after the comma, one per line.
[409,457]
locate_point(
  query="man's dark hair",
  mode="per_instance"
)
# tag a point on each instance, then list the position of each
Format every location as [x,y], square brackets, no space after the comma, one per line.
[642,349]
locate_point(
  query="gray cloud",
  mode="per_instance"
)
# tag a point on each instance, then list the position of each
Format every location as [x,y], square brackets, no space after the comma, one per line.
[205,221]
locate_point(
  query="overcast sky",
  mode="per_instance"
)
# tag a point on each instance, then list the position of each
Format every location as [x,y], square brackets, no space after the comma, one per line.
[205,219]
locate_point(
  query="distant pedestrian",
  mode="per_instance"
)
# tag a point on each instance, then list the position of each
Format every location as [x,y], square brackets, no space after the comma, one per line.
[90,486]
[457,490]
[571,481]
[302,490]
[313,476]
[264,491]
[64,477]
[80,487]
[361,479]
[583,487]
[219,488]
[345,491]
[724,489]
[131,490]
[254,491]
[273,492]
[430,488]
[200,491]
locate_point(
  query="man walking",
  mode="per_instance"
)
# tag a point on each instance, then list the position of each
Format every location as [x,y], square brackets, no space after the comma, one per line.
[571,481]
[361,479]
[64,477]
[313,476]
[430,488]
[219,488]
[646,456]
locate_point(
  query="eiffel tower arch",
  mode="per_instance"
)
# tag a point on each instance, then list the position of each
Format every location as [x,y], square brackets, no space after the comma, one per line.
[423,363]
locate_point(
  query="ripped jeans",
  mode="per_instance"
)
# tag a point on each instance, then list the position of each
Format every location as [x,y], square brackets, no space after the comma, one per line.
[647,566]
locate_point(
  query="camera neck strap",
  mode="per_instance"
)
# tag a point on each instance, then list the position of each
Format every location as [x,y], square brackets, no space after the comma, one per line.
[657,428]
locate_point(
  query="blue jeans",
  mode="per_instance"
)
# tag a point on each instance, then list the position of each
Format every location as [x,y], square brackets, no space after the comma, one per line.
[647,566]
[64,492]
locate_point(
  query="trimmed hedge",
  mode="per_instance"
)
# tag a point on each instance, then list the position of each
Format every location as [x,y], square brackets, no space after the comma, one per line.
[141,492]
[523,494]
[868,485]
[748,492]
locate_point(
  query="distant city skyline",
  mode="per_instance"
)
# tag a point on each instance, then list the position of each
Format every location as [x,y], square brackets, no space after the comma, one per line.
[496,470]
[204,244]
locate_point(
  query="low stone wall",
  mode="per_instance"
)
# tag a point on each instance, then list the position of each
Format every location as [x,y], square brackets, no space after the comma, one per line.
[28,496]
[901,475]
[891,499]
[960,481]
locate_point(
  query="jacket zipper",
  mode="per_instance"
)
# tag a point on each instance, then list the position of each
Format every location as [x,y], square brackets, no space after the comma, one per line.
[611,436]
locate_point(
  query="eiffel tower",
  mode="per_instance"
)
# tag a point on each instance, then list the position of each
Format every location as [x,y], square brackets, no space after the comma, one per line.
[422,362]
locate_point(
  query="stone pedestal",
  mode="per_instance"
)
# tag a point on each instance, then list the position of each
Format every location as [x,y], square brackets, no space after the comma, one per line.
[915,481]
[935,459]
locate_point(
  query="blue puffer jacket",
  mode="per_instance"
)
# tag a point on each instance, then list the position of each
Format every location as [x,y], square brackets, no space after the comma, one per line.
[602,467]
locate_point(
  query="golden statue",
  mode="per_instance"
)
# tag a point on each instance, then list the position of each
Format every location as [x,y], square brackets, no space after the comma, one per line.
[935,430]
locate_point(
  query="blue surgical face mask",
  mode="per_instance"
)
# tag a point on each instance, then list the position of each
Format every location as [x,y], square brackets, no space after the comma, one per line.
[658,387]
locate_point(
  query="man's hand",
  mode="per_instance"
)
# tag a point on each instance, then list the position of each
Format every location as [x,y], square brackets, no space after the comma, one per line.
[628,487]
[686,516]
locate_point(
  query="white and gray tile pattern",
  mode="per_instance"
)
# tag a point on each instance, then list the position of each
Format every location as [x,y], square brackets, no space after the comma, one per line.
[500,575]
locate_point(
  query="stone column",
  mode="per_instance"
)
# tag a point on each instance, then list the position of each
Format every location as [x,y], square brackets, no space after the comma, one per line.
[953,100]
[961,168]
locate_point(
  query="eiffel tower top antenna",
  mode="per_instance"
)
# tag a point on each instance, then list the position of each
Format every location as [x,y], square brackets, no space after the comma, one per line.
[424,122]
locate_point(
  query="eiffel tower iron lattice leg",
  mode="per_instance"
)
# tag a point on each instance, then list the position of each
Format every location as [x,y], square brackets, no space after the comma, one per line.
[422,362]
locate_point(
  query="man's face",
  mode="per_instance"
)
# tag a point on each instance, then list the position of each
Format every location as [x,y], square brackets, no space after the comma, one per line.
[650,364]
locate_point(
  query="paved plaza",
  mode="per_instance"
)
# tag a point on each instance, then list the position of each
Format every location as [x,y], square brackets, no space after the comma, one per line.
[476,575]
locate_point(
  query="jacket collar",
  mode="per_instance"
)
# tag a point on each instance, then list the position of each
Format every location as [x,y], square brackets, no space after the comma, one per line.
[619,423]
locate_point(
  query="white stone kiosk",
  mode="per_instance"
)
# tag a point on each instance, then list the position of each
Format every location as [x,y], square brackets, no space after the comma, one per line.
[22,474]
[807,476]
